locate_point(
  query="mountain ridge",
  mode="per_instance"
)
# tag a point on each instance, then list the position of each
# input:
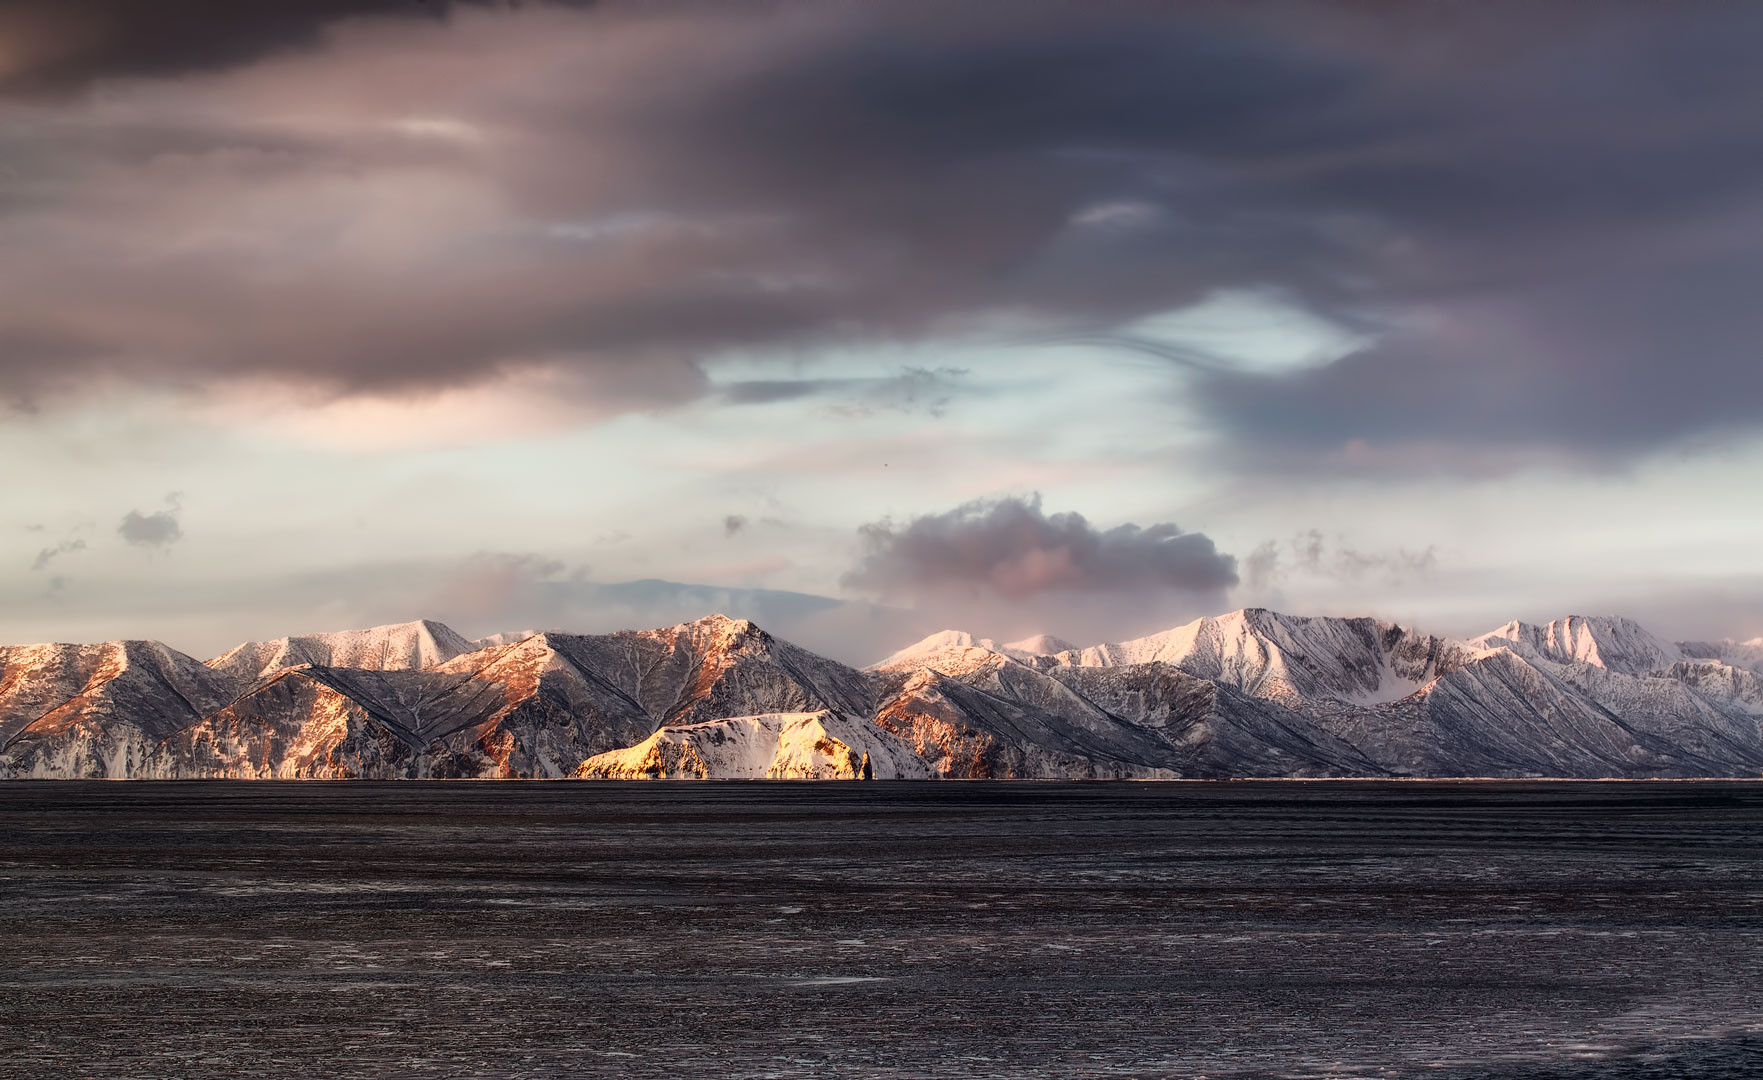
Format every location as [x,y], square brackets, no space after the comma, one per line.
[1251,693]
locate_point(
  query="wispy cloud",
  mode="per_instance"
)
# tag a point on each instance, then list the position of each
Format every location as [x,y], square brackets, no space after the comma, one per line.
[1309,553]
[50,554]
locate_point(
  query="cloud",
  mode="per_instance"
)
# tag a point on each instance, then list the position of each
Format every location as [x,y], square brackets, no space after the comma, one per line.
[495,585]
[1310,554]
[818,176]
[733,524]
[1003,568]
[772,391]
[914,389]
[62,45]
[1552,265]
[1010,548]
[50,554]
[1261,567]
[159,529]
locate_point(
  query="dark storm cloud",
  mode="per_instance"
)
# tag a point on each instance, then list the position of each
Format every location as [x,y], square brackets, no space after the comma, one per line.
[61,45]
[1546,216]
[1011,548]
[1565,264]
[361,219]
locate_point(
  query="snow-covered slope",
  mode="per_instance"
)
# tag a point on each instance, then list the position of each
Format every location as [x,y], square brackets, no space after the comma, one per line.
[1615,644]
[1260,693]
[535,706]
[823,745]
[716,667]
[1686,716]
[1287,657]
[349,723]
[509,637]
[97,710]
[981,712]
[1252,693]
[948,650]
[397,647]
[1740,654]
[1039,645]
[1215,730]
[971,733]
[399,701]
[1735,688]
[1503,715]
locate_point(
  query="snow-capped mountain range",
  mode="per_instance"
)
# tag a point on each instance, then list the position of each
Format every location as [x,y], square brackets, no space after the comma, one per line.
[1250,694]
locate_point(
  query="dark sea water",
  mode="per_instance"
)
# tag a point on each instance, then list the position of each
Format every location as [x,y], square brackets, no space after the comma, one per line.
[881,930]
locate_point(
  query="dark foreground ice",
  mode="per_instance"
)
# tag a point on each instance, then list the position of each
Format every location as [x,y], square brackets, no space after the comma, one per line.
[1446,930]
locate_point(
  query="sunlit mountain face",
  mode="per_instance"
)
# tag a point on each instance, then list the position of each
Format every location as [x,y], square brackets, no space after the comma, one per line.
[866,321]
[1254,693]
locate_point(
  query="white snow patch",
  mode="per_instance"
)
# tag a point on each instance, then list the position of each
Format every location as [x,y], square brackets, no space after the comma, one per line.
[394,647]
[823,745]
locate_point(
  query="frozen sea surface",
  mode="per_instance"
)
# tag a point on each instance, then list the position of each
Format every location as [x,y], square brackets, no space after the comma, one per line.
[1445,930]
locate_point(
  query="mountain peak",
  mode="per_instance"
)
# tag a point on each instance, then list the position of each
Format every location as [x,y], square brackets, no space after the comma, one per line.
[1252,692]
[1608,641]
[392,647]
[716,624]
[1273,655]
[718,619]
[1039,645]
[945,649]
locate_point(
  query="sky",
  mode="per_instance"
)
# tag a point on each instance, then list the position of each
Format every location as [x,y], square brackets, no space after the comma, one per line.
[867,320]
